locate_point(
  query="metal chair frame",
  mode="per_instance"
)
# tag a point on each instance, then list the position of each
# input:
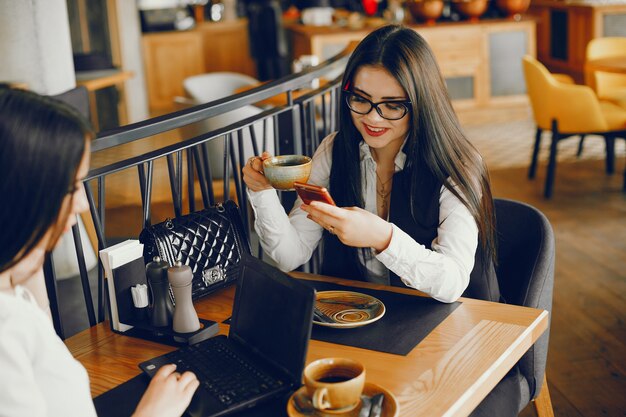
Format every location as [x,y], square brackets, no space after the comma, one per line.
[299,126]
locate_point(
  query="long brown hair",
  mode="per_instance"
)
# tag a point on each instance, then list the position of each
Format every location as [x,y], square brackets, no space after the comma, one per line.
[42,142]
[435,139]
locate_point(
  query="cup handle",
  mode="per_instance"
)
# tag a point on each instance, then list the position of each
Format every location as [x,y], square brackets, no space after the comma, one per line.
[320,400]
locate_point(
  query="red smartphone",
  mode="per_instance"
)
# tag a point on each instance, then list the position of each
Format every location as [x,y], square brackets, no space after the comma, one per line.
[310,192]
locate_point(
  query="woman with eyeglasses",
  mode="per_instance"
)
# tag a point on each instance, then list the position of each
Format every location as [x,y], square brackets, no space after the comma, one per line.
[44,157]
[414,205]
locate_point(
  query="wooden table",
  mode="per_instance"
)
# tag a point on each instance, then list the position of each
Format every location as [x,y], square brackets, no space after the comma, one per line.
[448,373]
[616,64]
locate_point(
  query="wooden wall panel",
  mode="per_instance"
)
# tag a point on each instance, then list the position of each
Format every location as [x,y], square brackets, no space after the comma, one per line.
[169,58]
[227,47]
[585,22]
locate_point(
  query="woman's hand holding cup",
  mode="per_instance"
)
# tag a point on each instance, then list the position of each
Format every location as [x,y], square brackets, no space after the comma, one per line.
[253,173]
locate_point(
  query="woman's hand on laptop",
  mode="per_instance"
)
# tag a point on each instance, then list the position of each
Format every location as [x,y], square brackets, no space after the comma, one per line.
[168,394]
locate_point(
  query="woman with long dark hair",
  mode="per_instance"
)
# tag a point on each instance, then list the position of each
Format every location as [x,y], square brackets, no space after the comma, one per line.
[44,156]
[414,204]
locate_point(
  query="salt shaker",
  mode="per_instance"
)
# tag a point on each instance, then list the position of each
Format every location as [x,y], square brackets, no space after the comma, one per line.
[161,307]
[185,316]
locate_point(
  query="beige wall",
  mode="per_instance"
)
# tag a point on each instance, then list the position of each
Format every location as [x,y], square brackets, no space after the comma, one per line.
[129,31]
[35,45]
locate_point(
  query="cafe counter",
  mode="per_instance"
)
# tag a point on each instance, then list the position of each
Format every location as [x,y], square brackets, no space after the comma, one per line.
[481,61]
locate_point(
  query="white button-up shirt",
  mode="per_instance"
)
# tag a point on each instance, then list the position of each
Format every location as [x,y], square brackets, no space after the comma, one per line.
[442,272]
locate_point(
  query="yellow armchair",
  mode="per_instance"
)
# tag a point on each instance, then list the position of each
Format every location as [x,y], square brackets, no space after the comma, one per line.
[569,110]
[608,86]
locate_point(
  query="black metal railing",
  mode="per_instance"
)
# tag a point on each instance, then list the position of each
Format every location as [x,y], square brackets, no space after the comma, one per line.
[298,126]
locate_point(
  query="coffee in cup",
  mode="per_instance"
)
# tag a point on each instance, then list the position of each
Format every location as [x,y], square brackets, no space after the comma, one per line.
[334,384]
[283,170]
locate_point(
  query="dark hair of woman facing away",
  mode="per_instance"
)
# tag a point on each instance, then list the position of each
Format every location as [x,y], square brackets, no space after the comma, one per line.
[435,139]
[42,142]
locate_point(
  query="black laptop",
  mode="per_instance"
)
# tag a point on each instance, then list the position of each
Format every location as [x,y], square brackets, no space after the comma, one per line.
[265,351]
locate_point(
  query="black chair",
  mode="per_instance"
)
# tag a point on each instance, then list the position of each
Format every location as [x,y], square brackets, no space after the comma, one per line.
[79,99]
[525,273]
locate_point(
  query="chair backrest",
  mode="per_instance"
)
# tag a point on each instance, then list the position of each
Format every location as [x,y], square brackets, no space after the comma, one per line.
[606,47]
[78,98]
[604,82]
[525,270]
[214,86]
[575,107]
[538,81]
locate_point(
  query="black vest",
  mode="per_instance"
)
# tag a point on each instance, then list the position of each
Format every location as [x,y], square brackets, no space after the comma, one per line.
[342,261]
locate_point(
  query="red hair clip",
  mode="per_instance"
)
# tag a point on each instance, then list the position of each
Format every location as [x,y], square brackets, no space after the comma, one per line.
[347,86]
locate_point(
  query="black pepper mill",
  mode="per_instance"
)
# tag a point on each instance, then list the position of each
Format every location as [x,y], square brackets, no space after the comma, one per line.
[161,307]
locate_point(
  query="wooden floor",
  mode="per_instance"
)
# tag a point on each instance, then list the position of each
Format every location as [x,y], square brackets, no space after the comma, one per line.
[586,361]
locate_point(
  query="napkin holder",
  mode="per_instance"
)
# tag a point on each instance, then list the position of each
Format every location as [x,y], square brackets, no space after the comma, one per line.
[135,321]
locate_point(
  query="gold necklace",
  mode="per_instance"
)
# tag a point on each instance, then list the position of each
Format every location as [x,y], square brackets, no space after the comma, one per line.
[381,193]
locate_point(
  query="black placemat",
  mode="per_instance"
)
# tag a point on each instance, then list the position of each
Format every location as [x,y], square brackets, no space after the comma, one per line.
[123,399]
[408,319]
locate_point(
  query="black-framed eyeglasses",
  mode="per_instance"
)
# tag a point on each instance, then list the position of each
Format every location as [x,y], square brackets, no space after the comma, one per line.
[390,110]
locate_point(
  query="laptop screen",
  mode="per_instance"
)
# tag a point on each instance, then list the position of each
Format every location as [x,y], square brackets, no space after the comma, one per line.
[273,315]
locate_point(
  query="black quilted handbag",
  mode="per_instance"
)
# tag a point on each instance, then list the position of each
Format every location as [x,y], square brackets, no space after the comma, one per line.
[210,241]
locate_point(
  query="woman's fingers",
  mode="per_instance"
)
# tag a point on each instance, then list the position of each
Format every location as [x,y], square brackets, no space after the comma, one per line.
[253,173]
[325,212]
[328,216]
[165,371]
[256,162]
[254,180]
[187,378]
[191,387]
[352,225]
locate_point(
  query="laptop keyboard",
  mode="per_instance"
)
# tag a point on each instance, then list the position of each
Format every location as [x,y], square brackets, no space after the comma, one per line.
[228,377]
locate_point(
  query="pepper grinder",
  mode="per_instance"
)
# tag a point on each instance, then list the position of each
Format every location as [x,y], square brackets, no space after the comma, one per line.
[185,316]
[161,307]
